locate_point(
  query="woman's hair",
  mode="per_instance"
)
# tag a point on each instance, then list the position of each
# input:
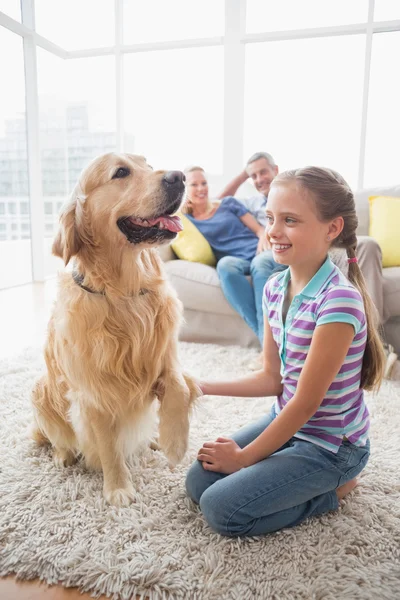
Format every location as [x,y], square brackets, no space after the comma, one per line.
[334,198]
[187,208]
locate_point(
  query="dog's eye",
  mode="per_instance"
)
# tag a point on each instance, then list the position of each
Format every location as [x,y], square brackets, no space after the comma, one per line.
[121,172]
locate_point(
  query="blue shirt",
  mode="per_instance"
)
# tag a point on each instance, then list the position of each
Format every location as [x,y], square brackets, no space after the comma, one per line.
[226,233]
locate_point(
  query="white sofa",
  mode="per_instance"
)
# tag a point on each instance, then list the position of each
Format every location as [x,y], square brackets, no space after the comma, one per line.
[210,319]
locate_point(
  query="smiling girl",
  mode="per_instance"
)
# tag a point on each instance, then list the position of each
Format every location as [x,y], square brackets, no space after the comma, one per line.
[321,351]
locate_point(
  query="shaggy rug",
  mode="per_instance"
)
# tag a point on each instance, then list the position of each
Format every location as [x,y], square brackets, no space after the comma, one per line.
[54,524]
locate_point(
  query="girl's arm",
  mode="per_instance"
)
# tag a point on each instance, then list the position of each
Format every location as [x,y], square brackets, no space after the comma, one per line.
[329,346]
[266,382]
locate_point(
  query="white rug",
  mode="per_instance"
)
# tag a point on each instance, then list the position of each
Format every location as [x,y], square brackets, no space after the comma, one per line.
[55,525]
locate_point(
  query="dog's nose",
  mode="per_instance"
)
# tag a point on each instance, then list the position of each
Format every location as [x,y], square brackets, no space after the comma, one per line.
[174,177]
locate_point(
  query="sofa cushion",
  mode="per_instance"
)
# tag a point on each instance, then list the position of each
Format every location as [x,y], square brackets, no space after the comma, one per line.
[198,287]
[190,244]
[384,219]
[391,291]
[362,205]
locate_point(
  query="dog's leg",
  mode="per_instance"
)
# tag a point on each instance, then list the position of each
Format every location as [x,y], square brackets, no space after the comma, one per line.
[118,489]
[50,423]
[176,393]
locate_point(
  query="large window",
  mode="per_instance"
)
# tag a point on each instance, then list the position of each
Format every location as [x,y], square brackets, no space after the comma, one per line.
[185,82]
[176,118]
[383,131]
[303,102]
[281,15]
[76,24]
[187,19]
[15,247]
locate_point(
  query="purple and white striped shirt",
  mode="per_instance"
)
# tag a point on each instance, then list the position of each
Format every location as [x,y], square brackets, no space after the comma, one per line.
[328,298]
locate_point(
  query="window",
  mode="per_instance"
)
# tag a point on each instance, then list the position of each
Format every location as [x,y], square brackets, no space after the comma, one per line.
[13,156]
[273,15]
[183,128]
[12,8]
[146,21]
[24,208]
[308,109]
[386,10]
[383,125]
[67,22]
[2,208]
[48,208]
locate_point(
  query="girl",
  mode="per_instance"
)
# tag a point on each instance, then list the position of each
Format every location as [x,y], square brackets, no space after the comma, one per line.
[320,352]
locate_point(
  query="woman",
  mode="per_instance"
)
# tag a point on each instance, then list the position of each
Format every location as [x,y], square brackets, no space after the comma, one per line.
[237,241]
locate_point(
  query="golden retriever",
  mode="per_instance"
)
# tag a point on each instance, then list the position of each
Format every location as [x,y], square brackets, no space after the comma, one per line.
[111,349]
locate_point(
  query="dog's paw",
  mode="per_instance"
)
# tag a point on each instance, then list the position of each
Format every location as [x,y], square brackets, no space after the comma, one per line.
[63,458]
[120,496]
[174,450]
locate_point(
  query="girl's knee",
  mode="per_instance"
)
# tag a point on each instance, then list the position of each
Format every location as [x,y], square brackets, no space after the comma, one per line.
[212,509]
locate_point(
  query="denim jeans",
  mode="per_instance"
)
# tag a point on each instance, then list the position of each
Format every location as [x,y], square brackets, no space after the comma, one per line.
[244,297]
[297,481]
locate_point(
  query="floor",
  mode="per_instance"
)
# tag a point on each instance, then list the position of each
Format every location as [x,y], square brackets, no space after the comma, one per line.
[24,313]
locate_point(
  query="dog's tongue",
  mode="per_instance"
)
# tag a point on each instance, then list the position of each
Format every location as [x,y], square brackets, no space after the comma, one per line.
[171,223]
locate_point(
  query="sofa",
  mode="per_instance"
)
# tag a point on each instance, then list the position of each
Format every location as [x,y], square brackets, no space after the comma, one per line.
[210,319]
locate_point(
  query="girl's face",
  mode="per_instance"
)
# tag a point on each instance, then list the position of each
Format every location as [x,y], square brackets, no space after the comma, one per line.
[196,187]
[296,234]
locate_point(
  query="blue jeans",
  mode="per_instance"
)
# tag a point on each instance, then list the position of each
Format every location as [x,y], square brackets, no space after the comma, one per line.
[244,297]
[297,481]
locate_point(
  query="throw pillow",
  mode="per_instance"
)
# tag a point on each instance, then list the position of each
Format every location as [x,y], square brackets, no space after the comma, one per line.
[191,245]
[384,219]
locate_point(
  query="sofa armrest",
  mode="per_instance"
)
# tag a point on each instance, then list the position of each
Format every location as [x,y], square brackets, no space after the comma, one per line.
[166,253]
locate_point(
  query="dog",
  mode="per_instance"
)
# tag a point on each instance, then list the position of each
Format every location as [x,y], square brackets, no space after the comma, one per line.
[111,349]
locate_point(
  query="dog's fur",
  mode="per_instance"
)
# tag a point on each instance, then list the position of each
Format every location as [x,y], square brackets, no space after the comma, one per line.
[111,350]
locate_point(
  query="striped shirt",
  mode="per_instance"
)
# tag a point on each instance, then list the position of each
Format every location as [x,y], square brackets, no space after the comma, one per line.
[328,298]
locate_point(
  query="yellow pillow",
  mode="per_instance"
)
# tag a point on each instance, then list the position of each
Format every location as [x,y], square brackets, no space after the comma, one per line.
[384,220]
[191,245]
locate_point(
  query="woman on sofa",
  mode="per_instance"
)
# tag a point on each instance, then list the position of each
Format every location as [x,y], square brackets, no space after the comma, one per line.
[237,240]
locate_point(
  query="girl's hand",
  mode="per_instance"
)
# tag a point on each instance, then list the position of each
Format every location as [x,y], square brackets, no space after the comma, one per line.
[222,456]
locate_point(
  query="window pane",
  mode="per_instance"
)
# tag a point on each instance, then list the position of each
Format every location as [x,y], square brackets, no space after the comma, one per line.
[160,21]
[77,123]
[386,10]
[14,188]
[383,128]
[172,126]
[12,8]
[76,24]
[270,15]
[308,110]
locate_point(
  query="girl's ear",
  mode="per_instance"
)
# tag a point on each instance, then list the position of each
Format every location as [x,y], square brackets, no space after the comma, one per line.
[67,241]
[335,228]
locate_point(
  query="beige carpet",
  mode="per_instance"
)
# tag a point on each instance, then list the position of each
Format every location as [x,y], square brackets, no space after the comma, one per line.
[54,523]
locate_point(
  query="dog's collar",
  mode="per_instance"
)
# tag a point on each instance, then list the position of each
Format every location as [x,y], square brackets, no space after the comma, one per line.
[78,278]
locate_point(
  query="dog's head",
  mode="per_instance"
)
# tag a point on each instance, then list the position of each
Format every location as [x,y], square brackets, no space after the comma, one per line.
[120,202]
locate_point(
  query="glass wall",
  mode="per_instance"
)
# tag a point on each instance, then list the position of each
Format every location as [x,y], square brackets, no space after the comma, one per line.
[15,246]
[176,119]
[297,94]
[303,102]
[382,155]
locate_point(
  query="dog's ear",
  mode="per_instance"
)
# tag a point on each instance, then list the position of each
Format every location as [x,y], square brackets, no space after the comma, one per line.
[67,242]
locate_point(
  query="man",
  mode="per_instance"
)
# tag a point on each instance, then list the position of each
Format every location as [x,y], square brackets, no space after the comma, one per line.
[232,271]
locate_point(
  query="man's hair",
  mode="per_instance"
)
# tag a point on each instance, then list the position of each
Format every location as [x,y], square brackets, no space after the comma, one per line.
[259,155]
